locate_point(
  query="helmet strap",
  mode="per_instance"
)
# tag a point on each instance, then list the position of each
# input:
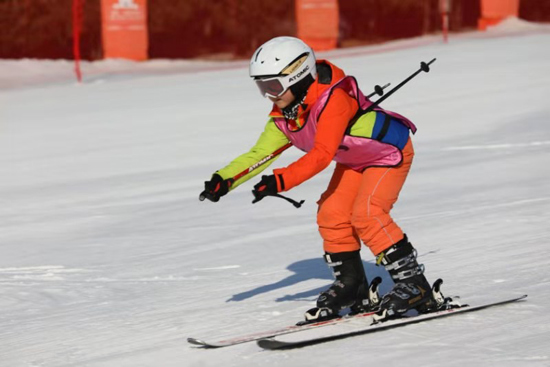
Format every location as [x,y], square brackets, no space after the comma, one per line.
[299,90]
[290,112]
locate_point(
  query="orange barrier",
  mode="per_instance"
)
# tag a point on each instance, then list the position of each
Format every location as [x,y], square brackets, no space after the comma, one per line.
[124,29]
[494,11]
[317,23]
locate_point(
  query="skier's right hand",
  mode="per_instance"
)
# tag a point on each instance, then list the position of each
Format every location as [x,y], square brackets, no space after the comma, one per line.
[215,188]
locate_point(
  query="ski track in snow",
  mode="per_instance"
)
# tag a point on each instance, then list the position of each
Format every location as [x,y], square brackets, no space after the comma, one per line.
[108,259]
[500,146]
[476,209]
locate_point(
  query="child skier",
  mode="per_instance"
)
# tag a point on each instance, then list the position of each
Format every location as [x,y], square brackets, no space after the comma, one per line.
[321,111]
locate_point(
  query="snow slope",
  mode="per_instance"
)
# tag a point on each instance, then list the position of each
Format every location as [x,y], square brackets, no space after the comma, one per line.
[107,258]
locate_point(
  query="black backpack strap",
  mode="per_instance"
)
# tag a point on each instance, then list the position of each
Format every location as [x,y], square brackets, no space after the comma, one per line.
[385,128]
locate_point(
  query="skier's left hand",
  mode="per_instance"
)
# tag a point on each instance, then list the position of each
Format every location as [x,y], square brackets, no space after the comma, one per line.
[268,186]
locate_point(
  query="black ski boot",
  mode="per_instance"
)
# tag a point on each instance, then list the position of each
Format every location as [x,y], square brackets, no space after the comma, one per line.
[411,289]
[350,289]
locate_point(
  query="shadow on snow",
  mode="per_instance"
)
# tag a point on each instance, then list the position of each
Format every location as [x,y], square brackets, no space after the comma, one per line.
[312,269]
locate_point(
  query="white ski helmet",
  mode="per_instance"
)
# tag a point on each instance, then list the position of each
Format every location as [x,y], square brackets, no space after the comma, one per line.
[281,63]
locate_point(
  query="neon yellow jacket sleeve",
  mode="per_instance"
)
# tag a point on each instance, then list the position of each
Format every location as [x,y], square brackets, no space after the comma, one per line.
[270,140]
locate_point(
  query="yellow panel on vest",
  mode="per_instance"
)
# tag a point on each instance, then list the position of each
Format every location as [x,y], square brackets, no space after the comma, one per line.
[364,125]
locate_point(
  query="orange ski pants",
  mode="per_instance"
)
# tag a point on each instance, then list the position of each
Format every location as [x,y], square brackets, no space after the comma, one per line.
[356,206]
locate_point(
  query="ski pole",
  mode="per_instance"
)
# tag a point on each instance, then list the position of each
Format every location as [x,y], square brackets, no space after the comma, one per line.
[423,67]
[267,158]
[377,90]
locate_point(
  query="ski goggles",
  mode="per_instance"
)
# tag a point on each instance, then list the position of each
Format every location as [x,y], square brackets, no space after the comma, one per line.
[272,87]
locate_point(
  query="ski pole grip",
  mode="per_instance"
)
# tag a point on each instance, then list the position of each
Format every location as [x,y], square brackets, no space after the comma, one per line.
[426,66]
[378,90]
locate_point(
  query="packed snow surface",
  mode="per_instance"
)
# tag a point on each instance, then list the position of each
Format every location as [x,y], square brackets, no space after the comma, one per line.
[108,258]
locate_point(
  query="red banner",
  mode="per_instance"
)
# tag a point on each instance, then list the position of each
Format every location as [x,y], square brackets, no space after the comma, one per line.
[124,29]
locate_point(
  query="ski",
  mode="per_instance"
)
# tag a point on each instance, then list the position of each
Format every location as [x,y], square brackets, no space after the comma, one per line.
[277,332]
[273,344]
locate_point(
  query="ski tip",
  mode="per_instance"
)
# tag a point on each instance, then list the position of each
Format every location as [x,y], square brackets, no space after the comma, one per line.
[195,341]
[201,343]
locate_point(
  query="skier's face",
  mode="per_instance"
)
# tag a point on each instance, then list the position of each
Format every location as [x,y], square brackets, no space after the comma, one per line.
[283,100]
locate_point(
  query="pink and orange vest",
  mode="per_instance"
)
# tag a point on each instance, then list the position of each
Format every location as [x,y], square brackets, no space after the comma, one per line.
[356,152]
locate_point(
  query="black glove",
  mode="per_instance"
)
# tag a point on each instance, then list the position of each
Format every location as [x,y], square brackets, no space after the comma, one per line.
[215,188]
[267,187]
